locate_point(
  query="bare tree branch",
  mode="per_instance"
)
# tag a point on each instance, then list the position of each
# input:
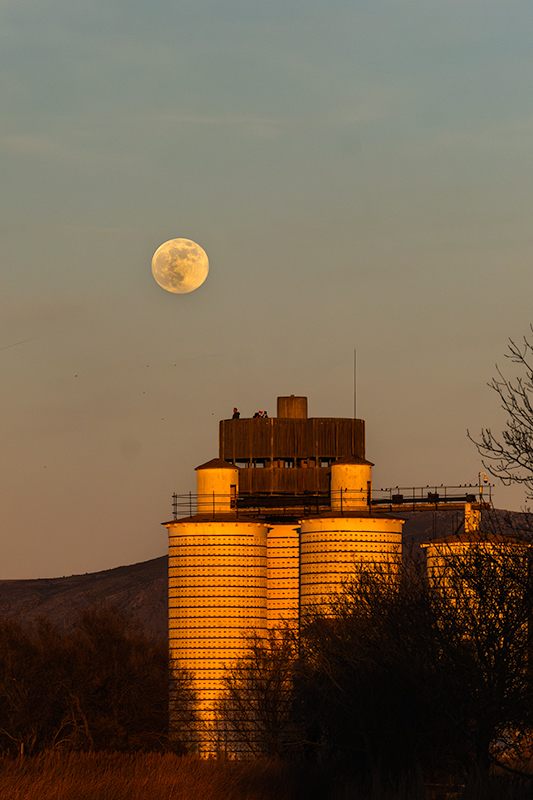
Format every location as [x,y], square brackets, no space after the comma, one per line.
[509,456]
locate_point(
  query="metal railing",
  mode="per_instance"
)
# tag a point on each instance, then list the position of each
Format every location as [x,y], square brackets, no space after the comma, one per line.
[341,500]
[433,495]
[188,505]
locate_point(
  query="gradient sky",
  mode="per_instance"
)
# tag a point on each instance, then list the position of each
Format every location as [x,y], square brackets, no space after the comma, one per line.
[360,173]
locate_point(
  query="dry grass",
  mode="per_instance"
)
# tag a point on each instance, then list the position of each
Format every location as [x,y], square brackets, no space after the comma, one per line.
[124,776]
[151,776]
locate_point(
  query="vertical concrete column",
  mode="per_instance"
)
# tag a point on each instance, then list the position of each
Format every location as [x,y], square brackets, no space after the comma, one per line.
[217,595]
[283,566]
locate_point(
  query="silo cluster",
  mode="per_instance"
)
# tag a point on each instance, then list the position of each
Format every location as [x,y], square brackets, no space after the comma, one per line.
[251,559]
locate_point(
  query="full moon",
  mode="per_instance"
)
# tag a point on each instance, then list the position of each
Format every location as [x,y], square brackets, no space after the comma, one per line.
[180,266]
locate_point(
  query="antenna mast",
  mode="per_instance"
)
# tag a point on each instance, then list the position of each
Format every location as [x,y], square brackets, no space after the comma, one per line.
[355,384]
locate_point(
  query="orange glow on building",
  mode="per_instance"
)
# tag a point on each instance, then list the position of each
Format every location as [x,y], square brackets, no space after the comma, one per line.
[282,518]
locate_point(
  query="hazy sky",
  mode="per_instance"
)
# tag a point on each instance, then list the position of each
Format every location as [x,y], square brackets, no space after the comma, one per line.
[360,173]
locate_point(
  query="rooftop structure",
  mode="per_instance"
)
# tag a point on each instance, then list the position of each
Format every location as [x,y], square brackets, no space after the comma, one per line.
[289,454]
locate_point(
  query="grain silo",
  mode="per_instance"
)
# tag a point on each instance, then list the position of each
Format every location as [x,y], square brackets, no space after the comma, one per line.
[466,565]
[339,543]
[217,591]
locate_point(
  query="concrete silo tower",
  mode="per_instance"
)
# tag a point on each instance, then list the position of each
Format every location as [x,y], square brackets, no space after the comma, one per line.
[337,544]
[217,590]
[463,565]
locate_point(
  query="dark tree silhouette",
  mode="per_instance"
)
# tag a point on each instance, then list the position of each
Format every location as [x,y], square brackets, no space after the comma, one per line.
[103,684]
[423,674]
[395,679]
[371,688]
[255,714]
[509,456]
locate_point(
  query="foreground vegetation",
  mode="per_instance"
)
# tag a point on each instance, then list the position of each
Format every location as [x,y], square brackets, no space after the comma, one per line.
[395,678]
[102,684]
[398,689]
[58,775]
[151,776]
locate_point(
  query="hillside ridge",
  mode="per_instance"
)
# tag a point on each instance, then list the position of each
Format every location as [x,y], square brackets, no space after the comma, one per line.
[140,590]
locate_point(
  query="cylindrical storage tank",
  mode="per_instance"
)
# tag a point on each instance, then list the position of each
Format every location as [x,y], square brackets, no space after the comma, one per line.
[283,573]
[351,484]
[452,560]
[292,407]
[217,595]
[217,486]
[334,549]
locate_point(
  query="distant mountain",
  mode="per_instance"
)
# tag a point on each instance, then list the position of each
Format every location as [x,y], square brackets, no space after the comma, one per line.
[140,590]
